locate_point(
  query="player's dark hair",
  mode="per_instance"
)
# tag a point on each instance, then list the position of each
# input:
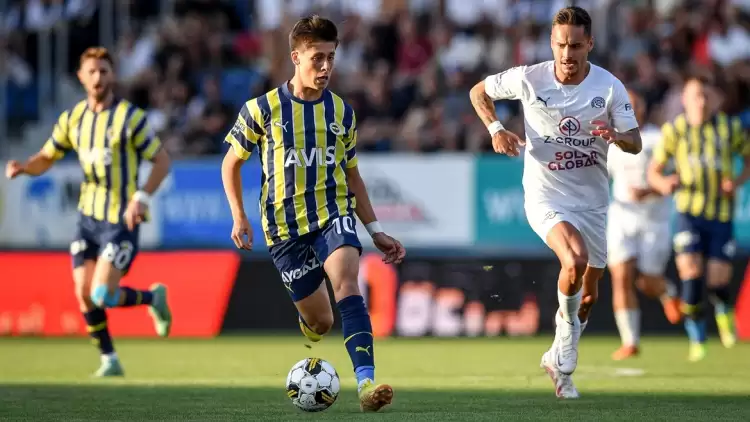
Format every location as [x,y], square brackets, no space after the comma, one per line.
[313,28]
[99,53]
[574,16]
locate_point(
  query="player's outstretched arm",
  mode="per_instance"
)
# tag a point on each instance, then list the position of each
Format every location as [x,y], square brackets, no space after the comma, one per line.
[159,171]
[663,184]
[392,248]
[628,141]
[141,199]
[740,146]
[231,177]
[243,138]
[54,149]
[38,164]
[505,85]
[664,150]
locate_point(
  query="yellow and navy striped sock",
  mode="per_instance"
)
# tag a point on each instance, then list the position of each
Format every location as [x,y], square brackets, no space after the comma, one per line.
[135,297]
[692,298]
[721,299]
[96,320]
[358,338]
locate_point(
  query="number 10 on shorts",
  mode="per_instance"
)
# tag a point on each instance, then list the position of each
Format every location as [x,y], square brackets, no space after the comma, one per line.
[344,224]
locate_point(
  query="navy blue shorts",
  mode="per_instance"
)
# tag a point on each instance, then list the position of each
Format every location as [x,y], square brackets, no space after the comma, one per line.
[710,238]
[300,260]
[101,239]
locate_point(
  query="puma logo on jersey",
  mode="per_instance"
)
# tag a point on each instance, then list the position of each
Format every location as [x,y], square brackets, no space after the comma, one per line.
[278,123]
[543,101]
[363,350]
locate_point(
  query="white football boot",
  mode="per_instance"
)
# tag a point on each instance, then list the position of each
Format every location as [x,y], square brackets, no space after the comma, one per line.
[564,387]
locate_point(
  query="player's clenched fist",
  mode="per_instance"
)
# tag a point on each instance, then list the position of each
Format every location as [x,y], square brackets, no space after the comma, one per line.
[13,169]
[669,184]
[242,233]
[506,142]
[135,214]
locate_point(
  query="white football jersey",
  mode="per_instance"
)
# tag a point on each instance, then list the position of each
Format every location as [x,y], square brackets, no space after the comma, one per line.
[628,170]
[563,163]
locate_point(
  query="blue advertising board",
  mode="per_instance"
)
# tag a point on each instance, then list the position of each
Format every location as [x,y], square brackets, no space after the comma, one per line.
[193,208]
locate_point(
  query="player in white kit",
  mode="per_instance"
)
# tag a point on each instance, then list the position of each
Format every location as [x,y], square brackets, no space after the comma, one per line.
[638,237]
[573,110]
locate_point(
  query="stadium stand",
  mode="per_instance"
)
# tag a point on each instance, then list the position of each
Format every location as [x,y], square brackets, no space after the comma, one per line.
[405,65]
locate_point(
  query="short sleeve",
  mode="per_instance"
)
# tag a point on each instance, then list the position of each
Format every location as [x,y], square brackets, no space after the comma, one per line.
[740,144]
[621,111]
[59,142]
[664,149]
[351,143]
[247,130]
[507,85]
[142,137]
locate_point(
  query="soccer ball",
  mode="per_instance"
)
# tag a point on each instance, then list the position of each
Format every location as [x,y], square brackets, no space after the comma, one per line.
[312,385]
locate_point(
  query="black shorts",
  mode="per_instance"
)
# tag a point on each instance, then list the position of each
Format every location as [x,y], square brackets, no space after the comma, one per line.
[300,260]
[710,238]
[101,239]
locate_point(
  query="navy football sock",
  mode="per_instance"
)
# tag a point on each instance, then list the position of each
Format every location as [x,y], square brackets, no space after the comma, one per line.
[695,323]
[135,297]
[720,298]
[96,320]
[358,338]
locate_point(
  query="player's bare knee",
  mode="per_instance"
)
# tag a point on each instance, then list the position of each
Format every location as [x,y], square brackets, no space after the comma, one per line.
[321,323]
[649,286]
[689,266]
[345,288]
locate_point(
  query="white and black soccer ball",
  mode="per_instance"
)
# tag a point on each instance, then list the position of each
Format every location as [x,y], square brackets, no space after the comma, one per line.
[312,385]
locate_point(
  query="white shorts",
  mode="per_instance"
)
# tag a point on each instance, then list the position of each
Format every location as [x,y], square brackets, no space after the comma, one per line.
[592,224]
[631,235]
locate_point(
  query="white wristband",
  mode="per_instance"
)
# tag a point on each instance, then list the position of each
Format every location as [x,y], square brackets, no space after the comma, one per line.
[374,228]
[142,197]
[495,127]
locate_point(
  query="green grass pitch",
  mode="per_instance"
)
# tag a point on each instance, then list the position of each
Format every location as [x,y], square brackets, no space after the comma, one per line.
[242,378]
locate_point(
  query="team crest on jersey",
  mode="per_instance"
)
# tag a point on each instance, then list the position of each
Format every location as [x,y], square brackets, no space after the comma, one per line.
[336,128]
[110,134]
[569,126]
[598,102]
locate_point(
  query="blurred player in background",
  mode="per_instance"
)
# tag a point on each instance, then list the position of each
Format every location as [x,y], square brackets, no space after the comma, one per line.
[638,233]
[311,187]
[572,110]
[111,137]
[703,146]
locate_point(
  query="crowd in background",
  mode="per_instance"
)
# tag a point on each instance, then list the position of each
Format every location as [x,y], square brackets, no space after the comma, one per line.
[405,65]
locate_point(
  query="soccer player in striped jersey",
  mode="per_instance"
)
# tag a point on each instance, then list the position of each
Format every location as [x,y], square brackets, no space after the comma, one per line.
[305,136]
[111,137]
[703,146]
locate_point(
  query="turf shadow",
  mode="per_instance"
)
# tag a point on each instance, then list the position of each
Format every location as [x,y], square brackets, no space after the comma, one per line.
[115,401]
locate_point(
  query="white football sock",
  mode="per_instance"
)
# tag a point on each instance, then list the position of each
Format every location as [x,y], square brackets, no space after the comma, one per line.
[628,324]
[109,357]
[559,322]
[569,306]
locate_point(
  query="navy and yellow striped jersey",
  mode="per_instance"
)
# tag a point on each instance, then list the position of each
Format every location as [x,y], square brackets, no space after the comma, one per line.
[304,148]
[703,156]
[111,145]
